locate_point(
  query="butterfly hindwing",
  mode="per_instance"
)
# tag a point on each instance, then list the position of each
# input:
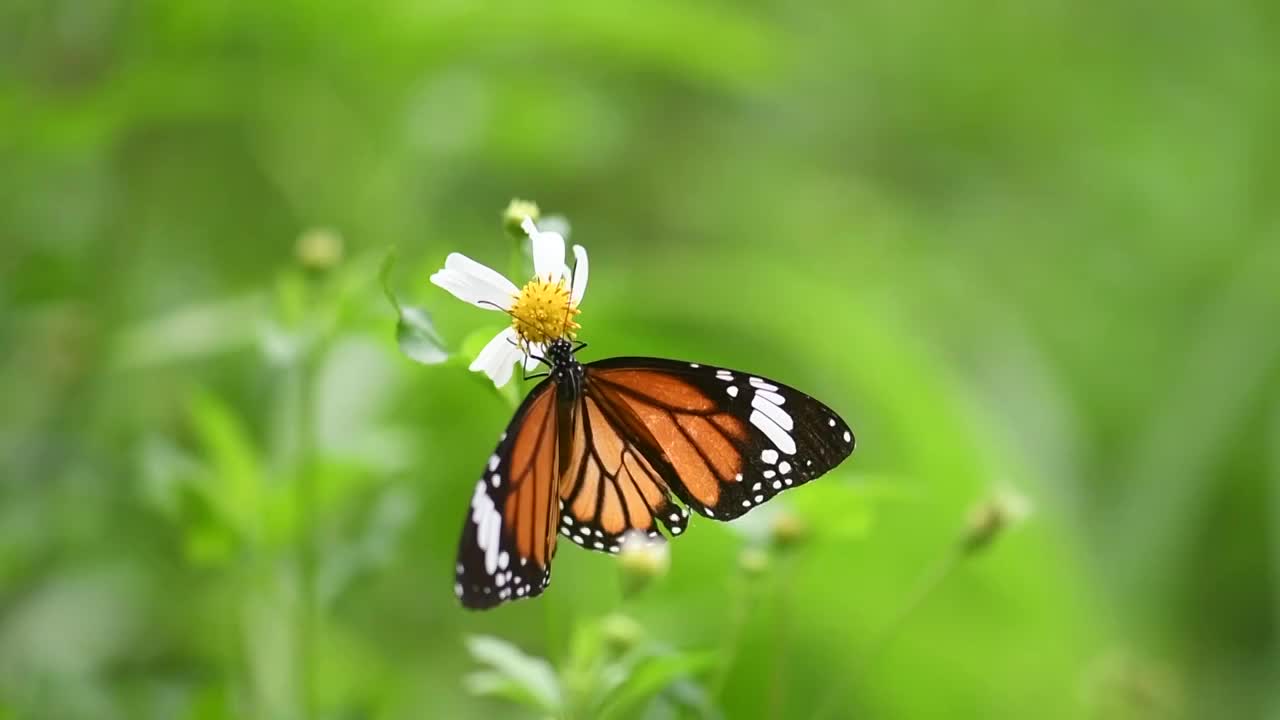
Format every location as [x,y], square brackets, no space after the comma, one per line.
[508,537]
[732,440]
[611,487]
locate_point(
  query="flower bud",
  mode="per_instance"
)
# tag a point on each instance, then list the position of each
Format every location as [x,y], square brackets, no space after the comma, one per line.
[642,559]
[621,632]
[753,561]
[319,249]
[787,530]
[516,213]
[992,517]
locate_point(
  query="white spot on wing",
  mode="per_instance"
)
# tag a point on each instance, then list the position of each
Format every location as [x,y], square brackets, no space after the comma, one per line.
[773,412]
[488,524]
[847,436]
[732,390]
[780,438]
[769,456]
[761,384]
[771,396]
[784,467]
[493,462]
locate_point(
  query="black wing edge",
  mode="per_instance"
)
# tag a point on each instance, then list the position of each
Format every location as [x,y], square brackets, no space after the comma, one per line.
[490,570]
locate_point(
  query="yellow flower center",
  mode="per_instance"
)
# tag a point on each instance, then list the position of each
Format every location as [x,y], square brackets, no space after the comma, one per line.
[542,312]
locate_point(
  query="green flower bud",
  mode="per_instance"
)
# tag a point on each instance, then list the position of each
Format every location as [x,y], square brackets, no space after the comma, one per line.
[319,249]
[514,216]
[621,632]
[642,559]
[991,518]
[753,561]
[787,530]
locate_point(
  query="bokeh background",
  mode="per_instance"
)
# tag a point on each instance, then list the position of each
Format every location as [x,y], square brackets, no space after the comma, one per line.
[1031,251]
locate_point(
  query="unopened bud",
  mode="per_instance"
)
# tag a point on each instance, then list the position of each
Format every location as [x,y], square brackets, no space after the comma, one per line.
[516,213]
[621,632]
[319,249]
[992,517]
[788,530]
[753,561]
[642,559]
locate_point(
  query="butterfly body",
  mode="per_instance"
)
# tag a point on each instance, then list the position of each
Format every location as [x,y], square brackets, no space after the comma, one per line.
[620,450]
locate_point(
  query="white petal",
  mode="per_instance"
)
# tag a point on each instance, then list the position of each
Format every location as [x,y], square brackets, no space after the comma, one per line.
[531,363]
[548,255]
[579,275]
[471,282]
[498,358]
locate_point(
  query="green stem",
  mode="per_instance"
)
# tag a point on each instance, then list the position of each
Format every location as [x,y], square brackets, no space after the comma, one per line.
[740,610]
[309,531]
[782,607]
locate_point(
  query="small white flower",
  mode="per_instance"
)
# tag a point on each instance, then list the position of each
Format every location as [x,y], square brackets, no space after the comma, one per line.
[541,311]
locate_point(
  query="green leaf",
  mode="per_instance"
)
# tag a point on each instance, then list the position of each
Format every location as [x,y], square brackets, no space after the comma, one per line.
[649,677]
[418,338]
[415,333]
[515,675]
[235,487]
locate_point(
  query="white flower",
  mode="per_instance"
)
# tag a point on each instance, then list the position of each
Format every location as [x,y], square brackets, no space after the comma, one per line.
[541,311]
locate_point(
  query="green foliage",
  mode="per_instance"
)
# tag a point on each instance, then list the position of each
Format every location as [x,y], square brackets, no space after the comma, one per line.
[415,334]
[601,678]
[1027,250]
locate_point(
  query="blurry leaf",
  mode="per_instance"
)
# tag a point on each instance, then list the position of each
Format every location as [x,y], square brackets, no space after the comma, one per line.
[531,679]
[650,676]
[163,471]
[235,486]
[418,338]
[374,547]
[415,332]
[487,683]
[189,332]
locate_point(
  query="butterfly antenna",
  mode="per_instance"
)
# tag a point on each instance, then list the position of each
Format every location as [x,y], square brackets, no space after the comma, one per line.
[495,306]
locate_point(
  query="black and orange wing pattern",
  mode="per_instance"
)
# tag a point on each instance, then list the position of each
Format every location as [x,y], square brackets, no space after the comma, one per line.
[509,536]
[611,457]
[726,441]
[614,482]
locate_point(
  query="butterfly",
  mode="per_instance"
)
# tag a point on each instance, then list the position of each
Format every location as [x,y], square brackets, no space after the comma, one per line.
[607,451]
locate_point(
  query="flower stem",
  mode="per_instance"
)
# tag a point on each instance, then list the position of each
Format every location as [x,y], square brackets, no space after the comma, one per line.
[307,549]
[740,611]
[781,639]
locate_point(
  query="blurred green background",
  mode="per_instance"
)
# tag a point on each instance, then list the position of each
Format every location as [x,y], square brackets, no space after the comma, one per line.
[1029,250]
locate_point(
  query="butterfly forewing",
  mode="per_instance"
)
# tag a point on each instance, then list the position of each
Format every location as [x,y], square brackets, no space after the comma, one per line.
[732,440]
[508,537]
